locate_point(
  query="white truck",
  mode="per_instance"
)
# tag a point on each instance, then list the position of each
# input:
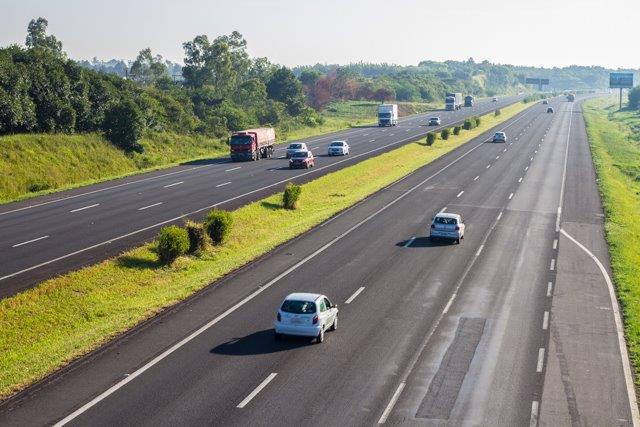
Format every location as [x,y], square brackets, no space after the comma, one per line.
[387,114]
[453,101]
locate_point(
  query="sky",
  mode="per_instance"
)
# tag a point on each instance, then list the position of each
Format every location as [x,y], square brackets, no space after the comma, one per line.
[301,32]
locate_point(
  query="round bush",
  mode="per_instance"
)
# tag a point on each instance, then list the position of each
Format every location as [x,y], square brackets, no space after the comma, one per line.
[218,225]
[445,134]
[291,195]
[431,138]
[469,124]
[173,241]
[477,120]
[456,130]
[197,236]
[498,112]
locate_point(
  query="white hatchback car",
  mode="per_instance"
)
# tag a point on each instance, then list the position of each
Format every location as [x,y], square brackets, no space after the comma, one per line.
[499,137]
[447,226]
[307,315]
[338,148]
[296,146]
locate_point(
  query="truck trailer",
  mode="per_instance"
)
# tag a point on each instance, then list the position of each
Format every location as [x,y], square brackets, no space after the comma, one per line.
[387,114]
[453,101]
[252,144]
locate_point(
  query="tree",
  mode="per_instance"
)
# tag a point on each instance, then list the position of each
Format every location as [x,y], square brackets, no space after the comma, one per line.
[37,37]
[148,69]
[309,77]
[251,93]
[634,98]
[209,63]
[383,94]
[123,126]
[284,87]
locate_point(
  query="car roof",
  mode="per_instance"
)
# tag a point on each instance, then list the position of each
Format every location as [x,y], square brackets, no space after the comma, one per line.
[297,143]
[303,296]
[447,215]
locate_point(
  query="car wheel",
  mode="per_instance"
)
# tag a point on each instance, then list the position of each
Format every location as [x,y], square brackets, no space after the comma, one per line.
[320,337]
[335,324]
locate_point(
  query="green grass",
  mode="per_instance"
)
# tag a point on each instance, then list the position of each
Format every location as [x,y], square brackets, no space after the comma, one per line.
[44,328]
[36,164]
[615,146]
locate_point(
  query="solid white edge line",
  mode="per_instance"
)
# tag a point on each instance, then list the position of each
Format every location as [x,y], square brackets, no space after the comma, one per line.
[132,233]
[150,206]
[564,172]
[480,250]
[626,367]
[534,414]
[29,241]
[173,185]
[257,390]
[540,364]
[392,403]
[260,289]
[355,294]
[545,321]
[410,242]
[84,208]
[223,184]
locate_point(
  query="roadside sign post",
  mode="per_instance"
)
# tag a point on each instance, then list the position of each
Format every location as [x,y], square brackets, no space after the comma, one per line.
[620,81]
[537,81]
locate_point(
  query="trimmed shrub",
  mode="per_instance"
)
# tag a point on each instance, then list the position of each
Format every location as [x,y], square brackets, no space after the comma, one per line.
[497,112]
[444,134]
[431,138]
[197,236]
[291,195]
[469,124]
[477,121]
[173,241]
[456,130]
[218,225]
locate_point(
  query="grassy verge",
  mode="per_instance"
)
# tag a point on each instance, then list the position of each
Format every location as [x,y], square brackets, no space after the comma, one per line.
[615,147]
[63,318]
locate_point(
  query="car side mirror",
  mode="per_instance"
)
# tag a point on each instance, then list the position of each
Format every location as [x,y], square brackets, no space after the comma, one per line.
[335,306]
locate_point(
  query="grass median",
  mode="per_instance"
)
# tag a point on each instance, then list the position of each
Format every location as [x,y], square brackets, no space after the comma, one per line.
[615,146]
[64,318]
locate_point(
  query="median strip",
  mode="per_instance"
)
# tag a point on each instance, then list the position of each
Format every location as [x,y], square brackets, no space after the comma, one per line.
[63,318]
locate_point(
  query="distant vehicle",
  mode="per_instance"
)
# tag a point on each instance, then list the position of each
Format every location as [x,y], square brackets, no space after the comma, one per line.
[447,226]
[550,110]
[302,159]
[338,148]
[434,121]
[571,97]
[387,114]
[307,315]
[494,99]
[296,146]
[468,101]
[499,137]
[252,144]
[545,101]
[453,101]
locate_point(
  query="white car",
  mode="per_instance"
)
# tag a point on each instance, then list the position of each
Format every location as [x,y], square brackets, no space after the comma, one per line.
[494,99]
[434,121]
[296,146]
[307,315]
[499,137]
[338,148]
[447,226]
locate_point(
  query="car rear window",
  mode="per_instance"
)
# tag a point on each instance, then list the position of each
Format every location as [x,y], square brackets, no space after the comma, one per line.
[444,220]
[295,146]
[298,307]
[336,144]
[299,154]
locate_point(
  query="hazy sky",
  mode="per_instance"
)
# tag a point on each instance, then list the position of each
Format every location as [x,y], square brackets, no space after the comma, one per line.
[294,32]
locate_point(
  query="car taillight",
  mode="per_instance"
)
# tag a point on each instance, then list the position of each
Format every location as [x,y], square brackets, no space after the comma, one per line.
[315,319]
[279,317]
[433,226]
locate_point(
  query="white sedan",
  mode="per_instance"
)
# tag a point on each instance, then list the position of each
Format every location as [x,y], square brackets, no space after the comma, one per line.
[307,315]
[447,226]
[296,146]
[338,148]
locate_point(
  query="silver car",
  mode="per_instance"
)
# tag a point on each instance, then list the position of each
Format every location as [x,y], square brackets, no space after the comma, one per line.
[338,148]
[296,146]
[447,226]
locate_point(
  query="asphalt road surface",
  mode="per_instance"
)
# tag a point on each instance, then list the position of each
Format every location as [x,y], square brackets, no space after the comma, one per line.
[46,236]
[514,326]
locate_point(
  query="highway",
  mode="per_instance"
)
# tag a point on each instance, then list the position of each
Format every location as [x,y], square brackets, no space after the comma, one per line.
[517,325]
[51,235]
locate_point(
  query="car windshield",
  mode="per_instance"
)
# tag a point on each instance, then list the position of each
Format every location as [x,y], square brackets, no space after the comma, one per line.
[295,146]
[298,307]
[384,115]
[240,140]
[336,144]
[299,154]
[445,220]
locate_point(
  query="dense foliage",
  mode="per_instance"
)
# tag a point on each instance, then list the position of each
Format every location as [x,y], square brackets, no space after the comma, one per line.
[634,98]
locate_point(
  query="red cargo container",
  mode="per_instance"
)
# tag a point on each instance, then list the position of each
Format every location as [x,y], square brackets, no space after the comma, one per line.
[252,144]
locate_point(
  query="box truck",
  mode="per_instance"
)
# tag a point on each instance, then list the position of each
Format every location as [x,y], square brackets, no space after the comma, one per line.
[252,144]
[453,101]
[387,114]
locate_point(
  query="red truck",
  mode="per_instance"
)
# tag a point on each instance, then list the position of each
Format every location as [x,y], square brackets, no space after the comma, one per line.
[252,144]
